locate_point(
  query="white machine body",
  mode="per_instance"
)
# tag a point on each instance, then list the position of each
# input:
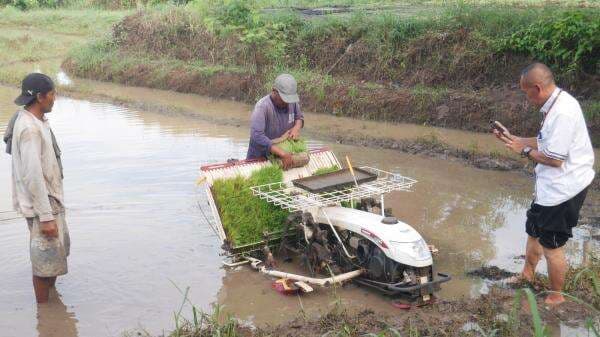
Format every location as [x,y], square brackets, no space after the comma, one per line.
[399,241]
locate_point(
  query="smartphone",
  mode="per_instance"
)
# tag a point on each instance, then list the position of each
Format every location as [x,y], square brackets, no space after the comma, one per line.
[495,126]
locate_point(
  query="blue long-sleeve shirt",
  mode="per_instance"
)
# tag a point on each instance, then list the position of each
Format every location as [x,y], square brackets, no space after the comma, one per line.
[269,122]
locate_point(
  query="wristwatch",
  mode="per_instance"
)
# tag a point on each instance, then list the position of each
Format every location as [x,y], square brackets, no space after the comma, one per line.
[525,152]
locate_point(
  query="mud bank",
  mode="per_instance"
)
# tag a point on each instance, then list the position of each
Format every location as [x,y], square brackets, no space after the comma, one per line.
[440,75]
[496,311]
[505,310]
[473,149]
[431,145]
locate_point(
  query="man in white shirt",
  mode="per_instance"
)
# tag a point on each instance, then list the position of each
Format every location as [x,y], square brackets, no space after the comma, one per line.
[564,168]
[37,182]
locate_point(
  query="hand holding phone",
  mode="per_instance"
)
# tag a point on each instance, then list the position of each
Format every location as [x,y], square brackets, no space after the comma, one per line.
[495,125]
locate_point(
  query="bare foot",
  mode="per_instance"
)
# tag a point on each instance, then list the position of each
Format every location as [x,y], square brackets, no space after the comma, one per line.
[554,299]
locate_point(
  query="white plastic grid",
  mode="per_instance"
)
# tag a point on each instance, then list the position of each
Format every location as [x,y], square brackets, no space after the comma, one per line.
[296,199]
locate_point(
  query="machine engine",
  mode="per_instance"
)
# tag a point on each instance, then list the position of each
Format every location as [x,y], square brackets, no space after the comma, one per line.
[323,254]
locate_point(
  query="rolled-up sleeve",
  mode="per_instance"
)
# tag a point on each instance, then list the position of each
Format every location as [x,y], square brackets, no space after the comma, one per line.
[298,114]
[33,176]
[258,122]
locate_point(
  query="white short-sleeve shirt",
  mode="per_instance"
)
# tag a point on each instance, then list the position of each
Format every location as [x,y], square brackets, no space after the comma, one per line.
[563,136]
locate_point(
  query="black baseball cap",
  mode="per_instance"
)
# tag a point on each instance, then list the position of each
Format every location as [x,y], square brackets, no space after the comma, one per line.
[33,84]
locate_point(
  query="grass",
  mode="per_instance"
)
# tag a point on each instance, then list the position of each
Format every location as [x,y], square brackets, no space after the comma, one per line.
[338,322]
[39,40]
[246,217]
[79,22]
[384,67]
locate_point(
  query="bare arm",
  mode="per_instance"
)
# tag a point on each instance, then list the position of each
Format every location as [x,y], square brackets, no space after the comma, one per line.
[531,142]
[517,144]
[298,122]
[295,130]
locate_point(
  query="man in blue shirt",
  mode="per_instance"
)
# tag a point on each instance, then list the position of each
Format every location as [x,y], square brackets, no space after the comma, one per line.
[276,115]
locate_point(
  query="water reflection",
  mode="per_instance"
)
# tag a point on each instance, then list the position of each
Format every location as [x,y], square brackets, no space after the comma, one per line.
[54,319]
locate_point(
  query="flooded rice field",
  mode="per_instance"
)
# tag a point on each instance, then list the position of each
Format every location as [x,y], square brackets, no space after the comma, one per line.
[137,232]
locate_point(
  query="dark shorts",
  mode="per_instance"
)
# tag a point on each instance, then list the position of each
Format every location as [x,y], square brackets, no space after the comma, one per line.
[552,225]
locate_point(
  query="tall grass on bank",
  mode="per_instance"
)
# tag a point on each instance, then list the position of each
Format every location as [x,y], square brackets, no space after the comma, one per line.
[129,4]
[39,40]
[464,46]
[71,21]
[385,67]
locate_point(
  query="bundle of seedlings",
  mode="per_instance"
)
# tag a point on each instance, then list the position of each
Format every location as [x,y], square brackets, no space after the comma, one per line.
[246,217]
[297,147]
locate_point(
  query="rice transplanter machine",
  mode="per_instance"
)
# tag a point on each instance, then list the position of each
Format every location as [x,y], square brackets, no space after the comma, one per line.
[338,226]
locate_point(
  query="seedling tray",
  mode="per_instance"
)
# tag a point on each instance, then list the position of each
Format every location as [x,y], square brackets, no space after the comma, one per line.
[337,180]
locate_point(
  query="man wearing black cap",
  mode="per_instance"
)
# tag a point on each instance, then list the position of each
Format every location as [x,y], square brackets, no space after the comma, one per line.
[37,182]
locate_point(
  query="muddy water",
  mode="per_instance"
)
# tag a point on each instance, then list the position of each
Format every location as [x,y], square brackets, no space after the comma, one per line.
[137,232]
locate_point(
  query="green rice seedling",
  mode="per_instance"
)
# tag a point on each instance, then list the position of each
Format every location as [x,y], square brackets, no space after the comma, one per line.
[325,170]
[246,217]
[290,146]
[293,146]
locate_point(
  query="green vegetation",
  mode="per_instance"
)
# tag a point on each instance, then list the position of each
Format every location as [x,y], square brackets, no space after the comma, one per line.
[41,39]
[293,146]
[127,4]
[448,64]
[325,170]
[523,317]
[72,22]
[570,42]
[453,316]
[246,217]
[82,4]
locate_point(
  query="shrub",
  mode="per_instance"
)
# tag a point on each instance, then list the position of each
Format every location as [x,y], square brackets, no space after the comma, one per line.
[570,42]
[30,4]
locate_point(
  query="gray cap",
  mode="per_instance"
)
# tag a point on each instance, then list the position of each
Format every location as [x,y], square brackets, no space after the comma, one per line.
[287,87]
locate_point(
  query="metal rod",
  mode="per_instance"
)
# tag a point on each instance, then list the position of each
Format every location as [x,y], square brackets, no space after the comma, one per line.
[336,234]
[324,282]
[235,264]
